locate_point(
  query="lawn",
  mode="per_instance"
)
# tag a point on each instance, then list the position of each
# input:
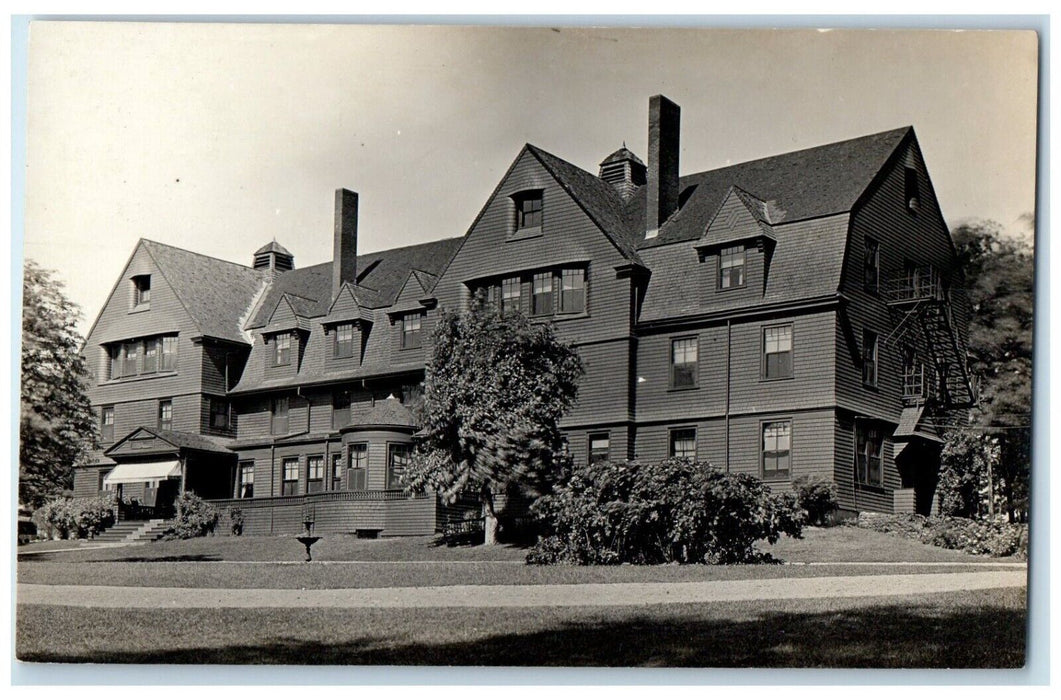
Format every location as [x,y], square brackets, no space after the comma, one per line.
[982,629]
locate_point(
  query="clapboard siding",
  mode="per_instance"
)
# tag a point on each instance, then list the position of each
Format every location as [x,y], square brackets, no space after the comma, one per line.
[754,277]
[604,389]
[87,481]
[620,446]
[132,414]
[656,400]
[850,494]
[921,238]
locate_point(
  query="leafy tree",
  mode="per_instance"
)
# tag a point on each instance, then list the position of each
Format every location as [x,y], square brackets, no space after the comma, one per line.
[57,427]
[495,389]
[999,274]
[967,459]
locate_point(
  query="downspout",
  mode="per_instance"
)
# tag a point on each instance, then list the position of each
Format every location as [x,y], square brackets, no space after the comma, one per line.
[729,340]
[272,480]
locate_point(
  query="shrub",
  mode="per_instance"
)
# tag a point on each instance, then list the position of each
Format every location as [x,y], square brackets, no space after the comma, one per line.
[75,517]
[235,519]
[674,511]
[816,495]
[995,538]
[195,518]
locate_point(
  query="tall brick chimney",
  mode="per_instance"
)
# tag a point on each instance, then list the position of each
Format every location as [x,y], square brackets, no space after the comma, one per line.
[344,262]
[664,127]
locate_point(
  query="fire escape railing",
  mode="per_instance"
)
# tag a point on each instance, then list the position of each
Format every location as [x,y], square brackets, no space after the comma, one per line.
[920,295]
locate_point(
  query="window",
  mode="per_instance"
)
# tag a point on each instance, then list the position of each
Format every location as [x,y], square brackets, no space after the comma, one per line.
[868,447]
[777,449]
[135,357]
[106,423]
[683,443]
[289,483]
[913,195]
[220,418]
[169,353]
[572,291]
[528,210]
[397,460]
[871,266]
[131,362]
[731,267]
[598,447]
[358,466]
[510,291]
[282,354]
[141,290]
[777,352]
[246,480]
[340,409]
[869,358]
[151,347]
[279,418]
[165,414]
[683,363]
[542,298]
[344,340]
[337,472]
[411,330]
[913,374]
[315,474]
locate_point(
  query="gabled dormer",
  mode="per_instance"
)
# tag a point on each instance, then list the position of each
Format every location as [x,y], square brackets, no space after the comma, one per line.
[285,337]
[735,248]
[410,310]
[346,330]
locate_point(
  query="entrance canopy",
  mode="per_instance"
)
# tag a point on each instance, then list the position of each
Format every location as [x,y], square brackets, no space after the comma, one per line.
[142,471]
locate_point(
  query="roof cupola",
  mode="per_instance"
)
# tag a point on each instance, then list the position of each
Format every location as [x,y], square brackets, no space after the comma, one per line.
[624,171]
[274,257]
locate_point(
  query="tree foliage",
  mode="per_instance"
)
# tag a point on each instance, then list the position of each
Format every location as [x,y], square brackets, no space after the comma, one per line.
[999,276]
[57,427]
[967,459]
[495,389]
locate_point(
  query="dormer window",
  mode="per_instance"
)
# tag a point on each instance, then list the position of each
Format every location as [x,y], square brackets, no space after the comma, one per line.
[528,210]
[141,290]
[731,263]
[344,340]
[411,330]
[282,349]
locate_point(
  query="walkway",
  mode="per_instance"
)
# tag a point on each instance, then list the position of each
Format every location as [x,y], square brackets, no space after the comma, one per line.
[551,595]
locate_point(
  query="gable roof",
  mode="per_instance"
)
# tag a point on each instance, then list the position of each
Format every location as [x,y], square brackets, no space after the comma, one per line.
[799,185]
[740,216]
[216,293]
[385,274]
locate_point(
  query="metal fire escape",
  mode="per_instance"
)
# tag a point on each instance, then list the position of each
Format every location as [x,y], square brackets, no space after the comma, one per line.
[918,295]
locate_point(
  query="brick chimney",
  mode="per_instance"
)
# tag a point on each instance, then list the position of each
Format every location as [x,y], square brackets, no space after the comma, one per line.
[344,262]
[664,127]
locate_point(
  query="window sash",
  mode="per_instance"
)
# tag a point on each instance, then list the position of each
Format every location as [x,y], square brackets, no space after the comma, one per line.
[337,472]
[340,409]
[314,474]
[869,455]
[283,349]
[397,460]
[106,421]
[777,448]
[289,482]
[542,297]
[510,294]
[246,480]
[683,443]
[411,330]
[731,267]
[280,410]
[358,465]
[869,358]
[777,352]
[572,290]
[131,359]
[141,289]
[165,415]
[683,362]
[151,348]
[219,414]
[529,210]
[169,353]
[599,448]
[344,340]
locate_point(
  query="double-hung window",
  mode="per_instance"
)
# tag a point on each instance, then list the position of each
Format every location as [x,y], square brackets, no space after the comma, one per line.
[340,409]
[731,264]
[315,474]
[289,481]
[358,466]
[169,353]
[397,461]
[151,348]
[572,290]
[337,472]
[344,340]
[683,363]
[510,294]
[777,449]
[542,297]
[869,442]
[683,443]
[165,414]
[220,417]
[131,361]
[777,352]
[411,330]
[282,351]
[246,480]
[106,423]
[279,416]
[599,446]
[869,358]
[529,210]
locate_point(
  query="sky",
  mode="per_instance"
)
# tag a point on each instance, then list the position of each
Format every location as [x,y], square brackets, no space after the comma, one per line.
[222,137]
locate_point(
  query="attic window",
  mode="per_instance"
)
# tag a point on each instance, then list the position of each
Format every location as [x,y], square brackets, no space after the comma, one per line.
[913,196]
[344,340]
[282,343]
[141,290]
[528,210]
[731,267]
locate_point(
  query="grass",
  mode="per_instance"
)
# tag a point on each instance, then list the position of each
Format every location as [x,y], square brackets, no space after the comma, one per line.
[982,629]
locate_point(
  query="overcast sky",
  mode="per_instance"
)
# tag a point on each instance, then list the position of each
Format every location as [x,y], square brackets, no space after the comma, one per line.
[219,138]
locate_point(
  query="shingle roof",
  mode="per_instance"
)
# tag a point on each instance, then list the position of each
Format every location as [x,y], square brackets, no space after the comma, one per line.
[216,293]
[272,247]
[597,197]
[622,154]
[799,185]
[740,217]
[389,412]
[382,278]
[192,441]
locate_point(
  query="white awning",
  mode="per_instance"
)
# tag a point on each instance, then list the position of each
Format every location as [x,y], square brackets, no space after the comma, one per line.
[142,471]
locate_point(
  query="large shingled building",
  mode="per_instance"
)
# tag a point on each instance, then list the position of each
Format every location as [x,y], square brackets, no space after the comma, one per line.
[794,315]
